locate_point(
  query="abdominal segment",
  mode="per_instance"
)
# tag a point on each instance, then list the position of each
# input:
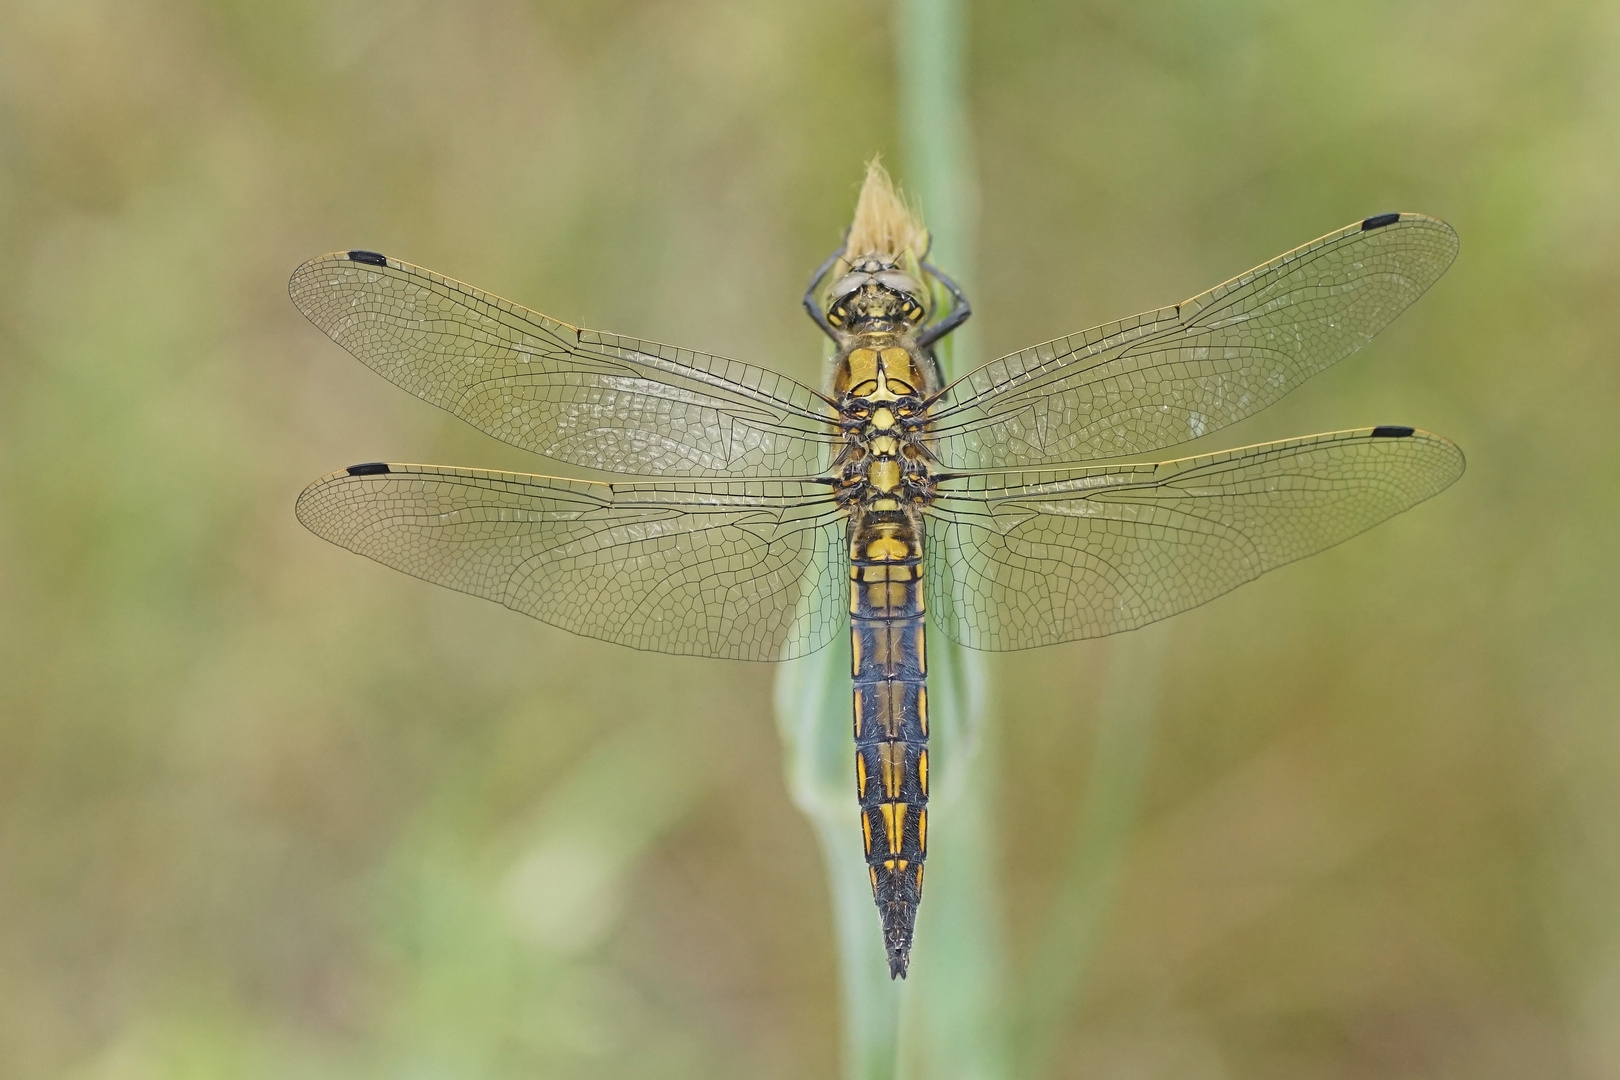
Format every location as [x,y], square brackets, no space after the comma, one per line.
[891,717]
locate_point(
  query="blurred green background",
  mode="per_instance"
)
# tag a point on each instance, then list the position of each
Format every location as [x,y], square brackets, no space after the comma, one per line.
[269,810]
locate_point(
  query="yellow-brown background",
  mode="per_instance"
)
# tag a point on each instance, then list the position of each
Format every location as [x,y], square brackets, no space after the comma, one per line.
[267,809]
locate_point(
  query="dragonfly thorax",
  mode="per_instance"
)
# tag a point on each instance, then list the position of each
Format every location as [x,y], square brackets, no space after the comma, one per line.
[883,415]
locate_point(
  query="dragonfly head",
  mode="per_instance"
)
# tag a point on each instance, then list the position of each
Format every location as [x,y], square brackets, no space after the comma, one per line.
[874,296]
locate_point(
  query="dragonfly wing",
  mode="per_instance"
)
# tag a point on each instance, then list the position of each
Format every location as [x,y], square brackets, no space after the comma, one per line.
[580,396]
[1018,560]
[1167,376]
[732,569]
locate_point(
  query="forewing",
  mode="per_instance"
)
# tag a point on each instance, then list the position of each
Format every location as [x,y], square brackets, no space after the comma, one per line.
[1167,376]
[1017,560]
[738,570]
[581,396]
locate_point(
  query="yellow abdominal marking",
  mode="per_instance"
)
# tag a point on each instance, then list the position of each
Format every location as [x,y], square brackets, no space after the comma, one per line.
[894,824]
[886,549]
[922,773]
[860,775]
[883,597]
[922,709]
[866,832]
[887,584]
[893,757]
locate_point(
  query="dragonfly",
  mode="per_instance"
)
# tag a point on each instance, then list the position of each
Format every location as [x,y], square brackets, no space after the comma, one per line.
[763,517]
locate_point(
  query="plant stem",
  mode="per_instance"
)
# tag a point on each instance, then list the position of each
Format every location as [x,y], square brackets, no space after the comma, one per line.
[954,1018]
[812,707]
[952,1001]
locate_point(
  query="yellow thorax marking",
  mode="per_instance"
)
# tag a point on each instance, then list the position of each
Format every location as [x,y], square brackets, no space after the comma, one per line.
[891,374]
[885,444]
[897,366]
[884,474]
[863,367]
[883,393]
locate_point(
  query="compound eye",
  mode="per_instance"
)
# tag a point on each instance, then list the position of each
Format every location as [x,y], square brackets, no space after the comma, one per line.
[841,294]
[899,281]
[909,291]
[847,285]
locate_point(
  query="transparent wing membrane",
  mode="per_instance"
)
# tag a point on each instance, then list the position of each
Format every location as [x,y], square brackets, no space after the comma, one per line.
[744,570]
[1022,559]
[1167,376]
[588,398]
[745,559]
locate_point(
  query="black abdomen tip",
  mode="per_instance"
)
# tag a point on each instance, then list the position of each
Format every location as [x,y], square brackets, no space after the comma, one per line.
[377,468]
[370,258]
[1377,222]
[1392,432]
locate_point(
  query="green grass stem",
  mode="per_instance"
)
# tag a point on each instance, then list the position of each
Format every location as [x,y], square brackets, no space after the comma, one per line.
[945,1021]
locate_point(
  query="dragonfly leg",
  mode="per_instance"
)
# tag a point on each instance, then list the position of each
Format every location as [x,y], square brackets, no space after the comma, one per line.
[960,309]
[810,304]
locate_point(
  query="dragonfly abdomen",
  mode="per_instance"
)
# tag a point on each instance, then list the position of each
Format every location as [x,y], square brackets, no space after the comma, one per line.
[889,665]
